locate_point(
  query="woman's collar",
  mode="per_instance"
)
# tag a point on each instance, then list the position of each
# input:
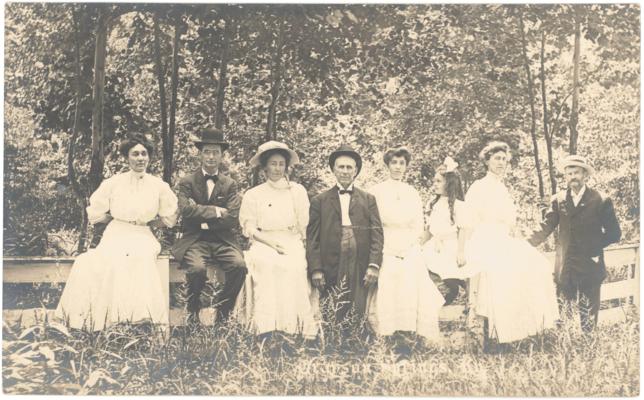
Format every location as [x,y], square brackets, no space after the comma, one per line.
[494,177]
[137,175]
[280,184]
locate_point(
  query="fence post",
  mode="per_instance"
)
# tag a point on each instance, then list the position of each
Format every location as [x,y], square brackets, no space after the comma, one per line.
[163,266]
[636,277]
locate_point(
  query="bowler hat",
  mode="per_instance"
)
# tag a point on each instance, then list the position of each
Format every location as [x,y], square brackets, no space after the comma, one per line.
[346,150]
[211,136]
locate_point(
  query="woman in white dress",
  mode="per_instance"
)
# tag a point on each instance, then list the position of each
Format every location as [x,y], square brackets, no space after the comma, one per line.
[119,281]
[274,216]
[406,299]
[514,288]
[445,251]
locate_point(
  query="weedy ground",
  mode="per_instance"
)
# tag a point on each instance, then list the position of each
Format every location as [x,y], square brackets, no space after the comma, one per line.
[227,360]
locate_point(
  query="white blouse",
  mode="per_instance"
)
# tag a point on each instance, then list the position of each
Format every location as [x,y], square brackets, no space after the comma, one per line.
[275,206]
[401,213]
[132,196]
[489,203]
[440,221]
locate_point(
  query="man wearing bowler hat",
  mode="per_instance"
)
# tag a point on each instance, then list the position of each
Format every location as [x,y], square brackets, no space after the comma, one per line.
[586,223]
[209,206]
[344,237]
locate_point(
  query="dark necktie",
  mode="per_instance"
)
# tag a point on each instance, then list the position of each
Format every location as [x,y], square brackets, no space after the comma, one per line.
[213,178]
[342,191]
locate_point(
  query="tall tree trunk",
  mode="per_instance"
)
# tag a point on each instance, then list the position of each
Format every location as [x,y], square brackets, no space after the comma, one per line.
[80,30]
[223,72]
[174,83]
[98,157]
[100,53]
[533,112]
[574,115]
[160,70]
[276,78]
[544,100]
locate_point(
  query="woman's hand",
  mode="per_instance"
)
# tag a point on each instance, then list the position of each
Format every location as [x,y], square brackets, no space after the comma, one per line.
[279,248]
[259,236]
[424,237]
[460,259]
[106,219]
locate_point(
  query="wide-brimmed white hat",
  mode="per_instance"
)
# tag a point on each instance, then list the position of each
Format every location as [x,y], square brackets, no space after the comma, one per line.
[574,160]
[272,145]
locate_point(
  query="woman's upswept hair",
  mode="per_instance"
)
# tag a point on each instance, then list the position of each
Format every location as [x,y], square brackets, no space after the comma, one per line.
[494,147]
[453,188]
[134,139]
[401,151]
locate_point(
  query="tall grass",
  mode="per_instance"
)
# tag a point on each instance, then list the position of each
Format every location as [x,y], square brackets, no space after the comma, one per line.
[227,360]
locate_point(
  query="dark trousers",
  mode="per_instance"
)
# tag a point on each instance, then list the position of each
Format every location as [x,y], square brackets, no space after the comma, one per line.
[349,290]
[349,276]
[582,291]
[198,258]
[453,286]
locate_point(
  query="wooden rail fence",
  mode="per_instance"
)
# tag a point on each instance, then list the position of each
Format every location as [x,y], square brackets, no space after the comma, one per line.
[56,270]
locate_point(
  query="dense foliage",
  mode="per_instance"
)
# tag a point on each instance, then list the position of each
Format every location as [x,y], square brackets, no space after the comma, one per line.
[442,79]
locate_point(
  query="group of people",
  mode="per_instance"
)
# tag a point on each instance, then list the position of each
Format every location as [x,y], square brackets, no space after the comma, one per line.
[367,249]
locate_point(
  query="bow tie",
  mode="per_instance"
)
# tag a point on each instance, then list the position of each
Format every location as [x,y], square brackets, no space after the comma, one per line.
[213,178]
[342,191]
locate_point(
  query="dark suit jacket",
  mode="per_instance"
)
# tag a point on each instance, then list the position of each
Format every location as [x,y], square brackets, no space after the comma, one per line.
[224,195]
[324,232]
[584,231]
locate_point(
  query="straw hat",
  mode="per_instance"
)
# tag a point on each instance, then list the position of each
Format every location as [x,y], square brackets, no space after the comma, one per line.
[273,145]
[574,160]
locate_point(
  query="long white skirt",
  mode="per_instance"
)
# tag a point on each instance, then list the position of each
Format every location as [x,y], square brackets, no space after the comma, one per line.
[118,281]
[405,299]
[514,288]
[440,258]
[277,295]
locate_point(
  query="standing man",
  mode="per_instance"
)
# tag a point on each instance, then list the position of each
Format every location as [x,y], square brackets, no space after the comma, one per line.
[344,237]
[209,206]
[586,224]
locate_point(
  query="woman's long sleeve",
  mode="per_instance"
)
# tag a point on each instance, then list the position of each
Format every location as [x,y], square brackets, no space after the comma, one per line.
[99,203]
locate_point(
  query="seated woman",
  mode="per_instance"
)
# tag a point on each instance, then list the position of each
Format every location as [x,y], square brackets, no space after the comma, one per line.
[118,281]
[274,216]
[444,252]
[513,288]
[406,299]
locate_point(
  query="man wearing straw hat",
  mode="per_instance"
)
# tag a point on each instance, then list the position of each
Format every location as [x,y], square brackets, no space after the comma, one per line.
[586,223]
[209,206]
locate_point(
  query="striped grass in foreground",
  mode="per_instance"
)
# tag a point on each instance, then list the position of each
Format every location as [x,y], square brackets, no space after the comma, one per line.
[126,359]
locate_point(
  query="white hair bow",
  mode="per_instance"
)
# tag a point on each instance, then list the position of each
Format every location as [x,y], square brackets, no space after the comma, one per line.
[450,164]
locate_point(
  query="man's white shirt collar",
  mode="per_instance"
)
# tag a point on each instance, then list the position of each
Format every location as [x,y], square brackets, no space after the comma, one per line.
[206,172]
[345,200]
[576,197]
[341,188]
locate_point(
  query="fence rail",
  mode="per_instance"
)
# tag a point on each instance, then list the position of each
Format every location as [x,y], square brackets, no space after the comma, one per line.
[56,270]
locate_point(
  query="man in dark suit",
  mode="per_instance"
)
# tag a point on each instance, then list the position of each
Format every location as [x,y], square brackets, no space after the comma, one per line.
[209,206]
[344,236]
[586,224]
